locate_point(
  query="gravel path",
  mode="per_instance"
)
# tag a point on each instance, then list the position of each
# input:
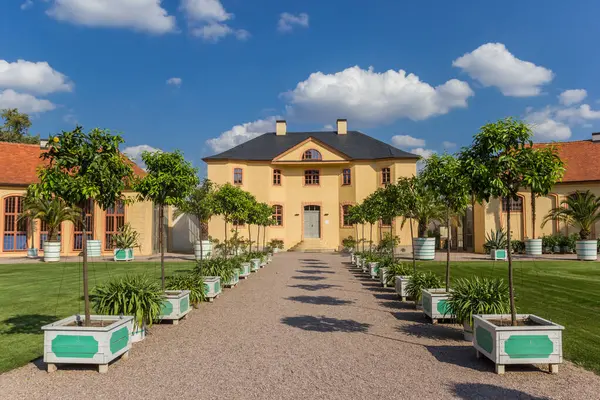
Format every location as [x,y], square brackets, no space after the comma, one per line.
[305,327]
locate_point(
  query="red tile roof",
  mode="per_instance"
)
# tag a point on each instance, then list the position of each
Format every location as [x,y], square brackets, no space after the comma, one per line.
[581,158]
[19,164]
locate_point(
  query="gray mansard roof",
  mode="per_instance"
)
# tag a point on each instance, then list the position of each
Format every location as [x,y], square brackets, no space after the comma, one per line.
[355,145]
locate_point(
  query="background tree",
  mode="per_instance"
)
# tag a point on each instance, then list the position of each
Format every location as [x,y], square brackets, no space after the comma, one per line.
[357,217]
[544,169]
[52,211]
[496,164]
[265,219]
[581,209]
[231,203]
[82,166]
[371,208]
[15,128]
[200,204]
[444,175]
[169,180]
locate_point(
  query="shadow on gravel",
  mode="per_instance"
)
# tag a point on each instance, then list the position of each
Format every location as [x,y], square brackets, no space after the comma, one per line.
[398,305]
[314,271]
[378,288]
[315,287]
[314,266]
[412,316]
[27,323]
[320,300]
[390,296]
[430,331]
[309,278]
[484,391]
[463,356]
[310,260]
[324,324]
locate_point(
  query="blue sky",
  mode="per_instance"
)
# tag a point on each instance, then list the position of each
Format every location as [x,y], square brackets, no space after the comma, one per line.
[421,75]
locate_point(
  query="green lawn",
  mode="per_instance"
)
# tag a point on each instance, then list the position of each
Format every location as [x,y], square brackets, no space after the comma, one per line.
[33,295]
[565,292]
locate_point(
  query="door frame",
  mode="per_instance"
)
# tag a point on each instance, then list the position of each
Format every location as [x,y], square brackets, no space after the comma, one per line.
[314,203]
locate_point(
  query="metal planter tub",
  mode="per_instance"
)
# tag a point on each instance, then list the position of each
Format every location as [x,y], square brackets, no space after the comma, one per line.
[202,250]
[235,279]
[533,247]
[94,248]
[587,250]
[51,251]
[540,343]
[401,284]
[424,248]
[435,304]
[212,287]
[176,306]
[67,343]
[245,270]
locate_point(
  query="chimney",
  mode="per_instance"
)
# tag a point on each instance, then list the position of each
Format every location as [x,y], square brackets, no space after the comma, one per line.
[342,126]
[596,137]
[43,144]
[281,127]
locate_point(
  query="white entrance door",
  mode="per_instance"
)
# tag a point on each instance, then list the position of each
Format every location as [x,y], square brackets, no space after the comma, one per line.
[312,222]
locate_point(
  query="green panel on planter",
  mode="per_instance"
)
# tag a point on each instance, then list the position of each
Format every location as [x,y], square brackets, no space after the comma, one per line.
[427,304]
[74,346]
[529,346]
[442,307]
[121,254]
[119,339]
[184,304]
[217,286]
[206,289]
[484,339]
[166,308]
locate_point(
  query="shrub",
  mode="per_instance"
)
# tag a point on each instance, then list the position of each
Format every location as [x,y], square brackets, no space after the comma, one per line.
[518,246]
[420,281]
[395,269]
[495,240]
[276,243]
[349,243]
[219,266]
[388,243]
[478,296]
[126,238]
[189,281]
[136,295]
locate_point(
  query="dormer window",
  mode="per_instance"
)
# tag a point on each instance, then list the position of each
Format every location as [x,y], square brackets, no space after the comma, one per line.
[311,154]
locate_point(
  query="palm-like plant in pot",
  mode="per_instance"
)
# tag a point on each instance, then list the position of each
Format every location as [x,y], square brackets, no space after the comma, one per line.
[580,209]
[52,212]
[477,296]
[124,241]
[419,281]
[135,295]
[192,282]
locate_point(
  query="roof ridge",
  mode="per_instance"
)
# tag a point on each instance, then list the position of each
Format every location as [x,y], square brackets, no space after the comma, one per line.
[20,144]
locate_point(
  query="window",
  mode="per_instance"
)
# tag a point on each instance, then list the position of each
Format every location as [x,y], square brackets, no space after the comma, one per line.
[15,230]
[346,177]
[237,176]
[386,176]
[311,177]
[115,219]
[278,215]
[515,205]
[346,215]
[89,226]
[44,233]
[311,154]
[386,221]
[277,177]
[237,222]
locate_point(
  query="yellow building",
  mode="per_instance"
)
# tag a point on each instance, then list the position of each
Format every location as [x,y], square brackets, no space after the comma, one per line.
[310,179]
[581,159]
[18,169]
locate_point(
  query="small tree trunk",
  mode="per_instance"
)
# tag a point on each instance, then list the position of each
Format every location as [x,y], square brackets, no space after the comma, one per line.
[86,290]
[249,236]
[225,243]
[412,240]
[264,236]
[448,251]
[532,215]
[161,228]
[237,239]
[363,237]
[371,239]
[513,310]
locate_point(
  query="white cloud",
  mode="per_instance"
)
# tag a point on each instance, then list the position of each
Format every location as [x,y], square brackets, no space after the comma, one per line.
[135,153]
[572,96]
[288,21]
[371,97]
[577,115]
[407,141]
[545,127]
[26,103]
[448,145]
[174,81]
[70,118]
[425,153]
[241,133]
[328,127]
[36,77]
[207,20]
[493,65]
[140,15]
[27,4]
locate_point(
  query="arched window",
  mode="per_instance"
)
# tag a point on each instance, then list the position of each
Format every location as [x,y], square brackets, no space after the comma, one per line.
[15,230]
[311,154]
[515,205]
[278,215]
[89,226]
[115,219]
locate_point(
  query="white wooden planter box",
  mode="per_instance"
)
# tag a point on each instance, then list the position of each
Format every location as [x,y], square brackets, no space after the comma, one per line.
[123,255]
[255,264]
[435,304]
[212,287]
[245,270]
[176,306]
[65,344]
[505,345]
[234,280]
[401,283]
[499,254]
[383,276]
[352,259]
[364,265]
[357,261]
[374,270]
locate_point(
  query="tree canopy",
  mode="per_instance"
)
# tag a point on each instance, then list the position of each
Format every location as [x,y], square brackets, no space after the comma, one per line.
[15,128]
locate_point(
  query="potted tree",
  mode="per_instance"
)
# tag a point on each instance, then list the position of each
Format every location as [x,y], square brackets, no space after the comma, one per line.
[78,166]
[125,240]
[496,164]
[200,204]
[52,211]
[169,180]
[581,209]
[496,244]
[544,170]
